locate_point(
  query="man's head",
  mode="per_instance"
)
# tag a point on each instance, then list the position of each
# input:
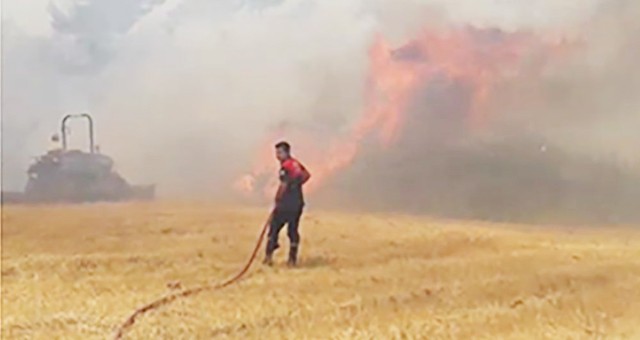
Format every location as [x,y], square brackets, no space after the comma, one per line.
[283,151]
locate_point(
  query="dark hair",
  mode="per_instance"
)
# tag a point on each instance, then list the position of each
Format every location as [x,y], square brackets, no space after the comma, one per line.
[284,146]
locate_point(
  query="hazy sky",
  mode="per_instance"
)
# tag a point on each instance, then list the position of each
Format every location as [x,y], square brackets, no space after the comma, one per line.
[33,17]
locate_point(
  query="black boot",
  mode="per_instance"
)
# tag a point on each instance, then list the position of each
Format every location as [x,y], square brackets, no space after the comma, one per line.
[271,248]
[293,255]
[268,259]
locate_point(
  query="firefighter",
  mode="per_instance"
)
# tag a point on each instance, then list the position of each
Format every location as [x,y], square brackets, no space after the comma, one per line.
[289,203]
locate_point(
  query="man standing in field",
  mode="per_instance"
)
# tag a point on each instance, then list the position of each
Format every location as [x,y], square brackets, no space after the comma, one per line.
[289,203]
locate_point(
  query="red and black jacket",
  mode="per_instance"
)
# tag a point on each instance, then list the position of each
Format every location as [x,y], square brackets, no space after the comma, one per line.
[292,176]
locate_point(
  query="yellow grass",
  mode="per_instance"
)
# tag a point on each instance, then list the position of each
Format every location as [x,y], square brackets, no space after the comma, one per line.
[77,272]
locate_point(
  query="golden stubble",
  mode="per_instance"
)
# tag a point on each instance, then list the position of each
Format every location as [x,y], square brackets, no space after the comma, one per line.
[77,272]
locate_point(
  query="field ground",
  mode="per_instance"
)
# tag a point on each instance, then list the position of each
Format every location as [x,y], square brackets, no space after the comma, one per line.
[77,272]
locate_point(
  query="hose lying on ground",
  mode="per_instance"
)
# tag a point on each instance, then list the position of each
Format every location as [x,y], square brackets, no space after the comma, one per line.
[193,291]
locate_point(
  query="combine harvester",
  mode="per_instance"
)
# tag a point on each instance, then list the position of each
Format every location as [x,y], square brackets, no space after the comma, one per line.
[75,176]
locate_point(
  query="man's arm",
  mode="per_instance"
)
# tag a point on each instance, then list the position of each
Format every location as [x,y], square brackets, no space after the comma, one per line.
[296,173]
[304,175]
[301,175]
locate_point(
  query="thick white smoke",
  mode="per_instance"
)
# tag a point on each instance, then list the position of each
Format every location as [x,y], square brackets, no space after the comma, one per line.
[183,90]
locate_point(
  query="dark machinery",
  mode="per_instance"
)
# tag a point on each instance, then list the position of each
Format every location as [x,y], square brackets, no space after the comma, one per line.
[63,175]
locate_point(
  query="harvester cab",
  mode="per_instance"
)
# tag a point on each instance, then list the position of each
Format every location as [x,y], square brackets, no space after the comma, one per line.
[64,175]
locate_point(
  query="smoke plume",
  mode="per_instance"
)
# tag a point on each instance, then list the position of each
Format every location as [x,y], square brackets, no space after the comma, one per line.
[560,143]
[188,94]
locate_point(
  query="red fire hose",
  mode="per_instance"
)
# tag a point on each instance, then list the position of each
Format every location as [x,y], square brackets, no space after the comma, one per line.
[193,291]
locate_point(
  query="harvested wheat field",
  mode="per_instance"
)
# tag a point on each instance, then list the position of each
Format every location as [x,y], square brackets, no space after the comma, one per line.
[77,272]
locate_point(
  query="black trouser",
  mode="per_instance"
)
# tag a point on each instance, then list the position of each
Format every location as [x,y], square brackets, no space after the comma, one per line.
[290,217]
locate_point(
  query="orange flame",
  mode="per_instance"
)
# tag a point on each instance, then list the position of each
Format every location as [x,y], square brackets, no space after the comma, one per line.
[475,57]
